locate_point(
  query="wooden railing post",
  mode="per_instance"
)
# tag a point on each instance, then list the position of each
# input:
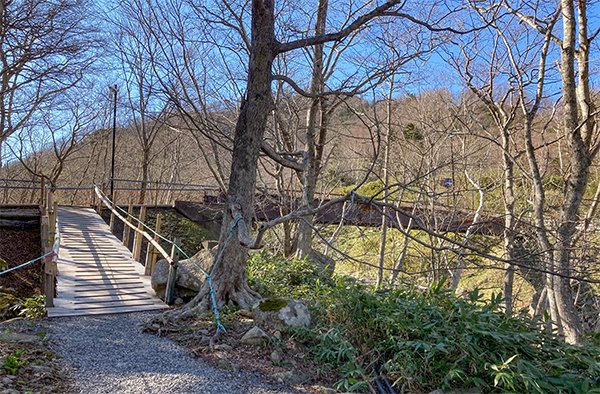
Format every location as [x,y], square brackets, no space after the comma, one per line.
[137,238]
[126,229]
[43,196]
[172,278]
[48,234]
[49,262]
[112,220]
[151,252]
[51,207]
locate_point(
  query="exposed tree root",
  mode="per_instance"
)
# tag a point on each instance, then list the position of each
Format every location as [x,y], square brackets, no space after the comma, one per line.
[201,306]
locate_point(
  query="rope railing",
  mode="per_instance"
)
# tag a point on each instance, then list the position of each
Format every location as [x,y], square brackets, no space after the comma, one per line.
[153,241]
[52,253]
[49,258]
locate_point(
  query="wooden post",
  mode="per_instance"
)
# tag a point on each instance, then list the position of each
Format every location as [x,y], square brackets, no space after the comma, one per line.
[137,238]
[170,290]
[151,253]
[126,229]
[92,197]
[43,196]
[48,267]
[112,220]
[51,211]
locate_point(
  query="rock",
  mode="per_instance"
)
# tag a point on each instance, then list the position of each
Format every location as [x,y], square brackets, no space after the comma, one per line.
[223,363]
[223,347]
[8,380]
[291,377]
[325,263]
[325,390]
[276,357]
[255,336]
[159,277]
[189,275]
[178,301]
[42,369]
[14,337]
[281,313]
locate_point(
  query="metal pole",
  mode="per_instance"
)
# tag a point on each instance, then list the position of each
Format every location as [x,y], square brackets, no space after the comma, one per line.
[114,133]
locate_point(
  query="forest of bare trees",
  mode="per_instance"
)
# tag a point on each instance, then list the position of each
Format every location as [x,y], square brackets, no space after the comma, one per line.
[476,120]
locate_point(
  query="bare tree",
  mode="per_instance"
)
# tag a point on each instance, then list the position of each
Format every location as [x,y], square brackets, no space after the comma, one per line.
[148,109]
[44,148]
[45,48]
[556,243]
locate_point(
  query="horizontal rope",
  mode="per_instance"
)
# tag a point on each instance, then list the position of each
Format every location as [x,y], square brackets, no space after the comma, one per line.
[8,271]
[53,252]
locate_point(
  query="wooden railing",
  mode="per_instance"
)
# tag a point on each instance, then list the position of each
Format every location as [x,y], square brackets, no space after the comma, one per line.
[154,247]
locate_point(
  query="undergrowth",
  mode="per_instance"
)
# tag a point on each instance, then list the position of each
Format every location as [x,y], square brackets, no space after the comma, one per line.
[425,340]
[11,305]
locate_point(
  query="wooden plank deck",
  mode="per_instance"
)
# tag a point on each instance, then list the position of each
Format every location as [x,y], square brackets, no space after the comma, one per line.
[96,273]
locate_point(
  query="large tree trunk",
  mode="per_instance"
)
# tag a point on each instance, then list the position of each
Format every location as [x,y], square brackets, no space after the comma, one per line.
[229,272]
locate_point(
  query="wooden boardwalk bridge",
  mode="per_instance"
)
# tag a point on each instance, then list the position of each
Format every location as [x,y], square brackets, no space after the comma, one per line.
[96,273]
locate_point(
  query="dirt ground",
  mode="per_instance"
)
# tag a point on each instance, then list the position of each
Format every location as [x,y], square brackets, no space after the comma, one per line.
[28,365]
[281,359]
[17,247]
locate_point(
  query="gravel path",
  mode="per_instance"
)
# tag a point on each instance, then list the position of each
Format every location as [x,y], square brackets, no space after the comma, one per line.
[110,354]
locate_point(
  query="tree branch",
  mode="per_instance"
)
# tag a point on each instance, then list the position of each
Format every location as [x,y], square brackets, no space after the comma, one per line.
[357,24]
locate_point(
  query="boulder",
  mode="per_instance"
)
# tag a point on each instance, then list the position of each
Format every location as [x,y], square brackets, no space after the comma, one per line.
[291,377]
[189,277]
[325,263]
[281,313]
[255,336]
[15,337]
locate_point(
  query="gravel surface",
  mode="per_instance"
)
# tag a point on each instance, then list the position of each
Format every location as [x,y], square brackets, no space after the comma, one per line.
[110,354]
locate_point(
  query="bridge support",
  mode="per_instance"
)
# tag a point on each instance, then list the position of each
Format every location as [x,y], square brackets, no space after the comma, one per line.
[151,252]
[170,290]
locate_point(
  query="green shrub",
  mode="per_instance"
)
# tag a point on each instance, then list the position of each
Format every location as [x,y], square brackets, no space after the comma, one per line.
[14,362]
[274,276]
[426,340]
[430,340]
[32,307]
[412,133]
[11,305]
